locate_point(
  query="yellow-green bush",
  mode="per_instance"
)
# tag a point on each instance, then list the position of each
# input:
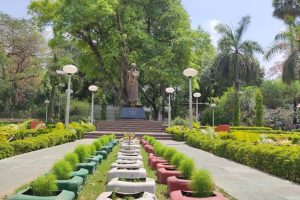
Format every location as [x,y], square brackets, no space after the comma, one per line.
[81,128]
[282,161]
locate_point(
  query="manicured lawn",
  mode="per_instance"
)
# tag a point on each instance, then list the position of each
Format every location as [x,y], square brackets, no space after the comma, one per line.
[160,189]
[96,183]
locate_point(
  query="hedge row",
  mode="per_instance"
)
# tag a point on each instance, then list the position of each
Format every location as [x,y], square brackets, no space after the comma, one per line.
[282,161]
[55,137]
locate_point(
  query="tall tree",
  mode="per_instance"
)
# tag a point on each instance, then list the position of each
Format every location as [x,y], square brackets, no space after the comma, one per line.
[284,9]
[235,59]
[21,56]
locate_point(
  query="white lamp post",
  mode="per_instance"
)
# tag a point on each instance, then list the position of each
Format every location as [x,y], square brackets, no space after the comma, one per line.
[69,70]
[190,72]
[47,103]
[213,113]
[297,110]
[197,95]
[93,89]
[170,91]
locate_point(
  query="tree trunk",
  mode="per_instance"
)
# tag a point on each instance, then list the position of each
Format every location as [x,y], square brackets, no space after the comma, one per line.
[123,59]
[52,103]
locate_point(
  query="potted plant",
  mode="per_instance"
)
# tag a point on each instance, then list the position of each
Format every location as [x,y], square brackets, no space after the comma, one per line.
[83,153]
[168,154]
[44,187]
[202,187]
[93,156]
[187,167]
[62,170]
[73,160]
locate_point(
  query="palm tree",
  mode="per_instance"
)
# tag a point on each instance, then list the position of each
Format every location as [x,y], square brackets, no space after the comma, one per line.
[287,42]
[236,59]
[284,9]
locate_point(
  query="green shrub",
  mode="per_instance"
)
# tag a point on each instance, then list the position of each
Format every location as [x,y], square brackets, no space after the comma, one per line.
[187,166]
[92,149]
[44,185]
[202,183]
[176,159]
[178,121]
[72,158]
[60,126]
[168,154]
[62,169]
[6,150]
[160,150]
[83,152]
[282,161]
[259,121]
[97,145]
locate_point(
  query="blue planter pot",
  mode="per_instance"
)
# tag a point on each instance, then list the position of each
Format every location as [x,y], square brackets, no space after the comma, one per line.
[27,195]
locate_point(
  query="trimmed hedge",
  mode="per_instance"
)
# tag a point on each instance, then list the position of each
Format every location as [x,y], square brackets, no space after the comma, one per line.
[282,161]
[55,137]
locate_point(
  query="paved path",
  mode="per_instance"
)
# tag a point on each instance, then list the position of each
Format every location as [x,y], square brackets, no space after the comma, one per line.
[21,169]
[240,181]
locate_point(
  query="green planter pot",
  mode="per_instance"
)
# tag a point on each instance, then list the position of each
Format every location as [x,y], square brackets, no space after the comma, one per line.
[83,173]
[114,142]
[102,153]
[74,184]
[90,166]
[27,195]
[107,148]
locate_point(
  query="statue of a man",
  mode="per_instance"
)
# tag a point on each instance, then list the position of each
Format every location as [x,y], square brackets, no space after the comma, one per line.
[133,85]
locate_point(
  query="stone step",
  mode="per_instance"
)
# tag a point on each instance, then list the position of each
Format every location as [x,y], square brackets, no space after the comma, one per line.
[160,136]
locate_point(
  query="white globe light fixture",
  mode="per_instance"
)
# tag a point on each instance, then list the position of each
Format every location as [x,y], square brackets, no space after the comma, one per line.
[69,70]
[92,88]
[170,91]
[190,72]
[197,95]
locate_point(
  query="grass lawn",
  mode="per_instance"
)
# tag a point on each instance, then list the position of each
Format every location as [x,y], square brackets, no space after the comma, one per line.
[96,183]
[160,189]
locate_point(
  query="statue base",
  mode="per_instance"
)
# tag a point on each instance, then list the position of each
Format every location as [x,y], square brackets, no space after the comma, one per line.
[137,112]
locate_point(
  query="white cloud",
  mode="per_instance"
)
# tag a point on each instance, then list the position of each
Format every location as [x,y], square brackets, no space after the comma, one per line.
[210,27]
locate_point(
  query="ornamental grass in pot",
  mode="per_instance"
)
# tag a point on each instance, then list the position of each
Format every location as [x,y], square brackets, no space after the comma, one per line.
[44,187]
[73,160]
[83,152]
[202,187]
[62,170]
[187,167]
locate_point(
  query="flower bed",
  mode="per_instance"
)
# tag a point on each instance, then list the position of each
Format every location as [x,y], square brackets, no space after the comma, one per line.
[282,161]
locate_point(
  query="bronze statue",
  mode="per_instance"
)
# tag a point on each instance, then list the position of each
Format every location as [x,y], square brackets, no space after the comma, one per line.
[133,85]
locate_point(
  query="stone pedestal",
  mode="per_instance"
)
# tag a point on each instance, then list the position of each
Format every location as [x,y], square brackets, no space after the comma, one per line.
[133,113]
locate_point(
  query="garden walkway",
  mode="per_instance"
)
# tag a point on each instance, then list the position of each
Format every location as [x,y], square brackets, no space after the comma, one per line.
[240,181]
[21,169]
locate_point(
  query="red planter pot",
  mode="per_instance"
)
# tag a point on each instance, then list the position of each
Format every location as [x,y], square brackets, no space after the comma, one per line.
[165,165]
[164,173]
[147,146]
[150,150]
[180,195]
[143,142]
[155,160]
[175,183]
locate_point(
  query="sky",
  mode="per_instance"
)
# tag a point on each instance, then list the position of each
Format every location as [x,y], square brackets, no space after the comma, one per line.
[208,13]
